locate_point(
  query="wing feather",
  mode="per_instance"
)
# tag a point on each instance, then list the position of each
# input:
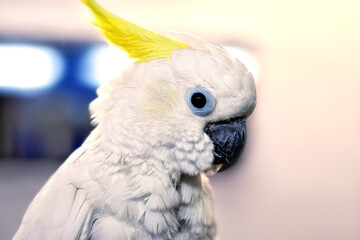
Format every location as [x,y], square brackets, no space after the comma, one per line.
[60,210]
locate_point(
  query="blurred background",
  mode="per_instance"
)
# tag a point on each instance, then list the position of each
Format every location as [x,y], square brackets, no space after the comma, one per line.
[300,174]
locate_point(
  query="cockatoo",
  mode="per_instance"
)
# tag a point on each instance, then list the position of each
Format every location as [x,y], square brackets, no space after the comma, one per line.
[177,111]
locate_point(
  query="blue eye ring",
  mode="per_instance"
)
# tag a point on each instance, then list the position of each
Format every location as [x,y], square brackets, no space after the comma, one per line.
[200,101]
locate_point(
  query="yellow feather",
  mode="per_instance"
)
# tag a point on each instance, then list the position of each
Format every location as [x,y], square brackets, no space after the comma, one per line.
[138,42]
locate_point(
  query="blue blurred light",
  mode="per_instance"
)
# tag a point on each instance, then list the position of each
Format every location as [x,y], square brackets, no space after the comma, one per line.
[102,64]
[27,68]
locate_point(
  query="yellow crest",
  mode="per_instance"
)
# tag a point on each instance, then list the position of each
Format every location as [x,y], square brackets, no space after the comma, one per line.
[138,42]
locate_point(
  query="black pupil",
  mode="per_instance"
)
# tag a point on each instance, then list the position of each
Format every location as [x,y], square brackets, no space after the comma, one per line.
[198,100]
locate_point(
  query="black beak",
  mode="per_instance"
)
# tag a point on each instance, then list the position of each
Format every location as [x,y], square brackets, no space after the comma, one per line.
[229,139]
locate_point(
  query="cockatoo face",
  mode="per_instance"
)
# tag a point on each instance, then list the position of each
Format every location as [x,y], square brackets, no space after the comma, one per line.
[185,101]
[190,109]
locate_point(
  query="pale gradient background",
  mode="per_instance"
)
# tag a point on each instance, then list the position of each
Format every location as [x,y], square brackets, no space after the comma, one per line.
[301,176]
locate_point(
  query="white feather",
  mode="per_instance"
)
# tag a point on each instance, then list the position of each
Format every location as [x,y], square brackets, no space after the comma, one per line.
[139,173]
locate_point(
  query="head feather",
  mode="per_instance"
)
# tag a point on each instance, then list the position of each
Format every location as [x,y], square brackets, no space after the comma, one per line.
[138,42]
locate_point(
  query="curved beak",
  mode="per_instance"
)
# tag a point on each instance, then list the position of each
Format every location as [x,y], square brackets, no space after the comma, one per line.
[229,139]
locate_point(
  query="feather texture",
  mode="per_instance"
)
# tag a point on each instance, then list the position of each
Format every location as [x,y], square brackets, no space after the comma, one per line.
[139,175]
[138,42]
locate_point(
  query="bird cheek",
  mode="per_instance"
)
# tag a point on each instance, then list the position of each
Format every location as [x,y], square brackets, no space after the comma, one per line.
[179,155]
[205,161]
[194,156]
[188,168]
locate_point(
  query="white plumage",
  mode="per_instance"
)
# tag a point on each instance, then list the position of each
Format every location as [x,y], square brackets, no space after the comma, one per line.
[139,175]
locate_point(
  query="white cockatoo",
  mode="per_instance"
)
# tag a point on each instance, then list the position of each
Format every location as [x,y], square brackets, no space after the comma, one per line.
[177,111]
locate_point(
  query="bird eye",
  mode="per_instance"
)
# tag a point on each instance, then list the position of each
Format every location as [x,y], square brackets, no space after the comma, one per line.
[200,101]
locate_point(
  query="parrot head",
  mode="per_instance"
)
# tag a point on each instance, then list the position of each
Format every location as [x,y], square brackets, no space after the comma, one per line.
[184,102]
